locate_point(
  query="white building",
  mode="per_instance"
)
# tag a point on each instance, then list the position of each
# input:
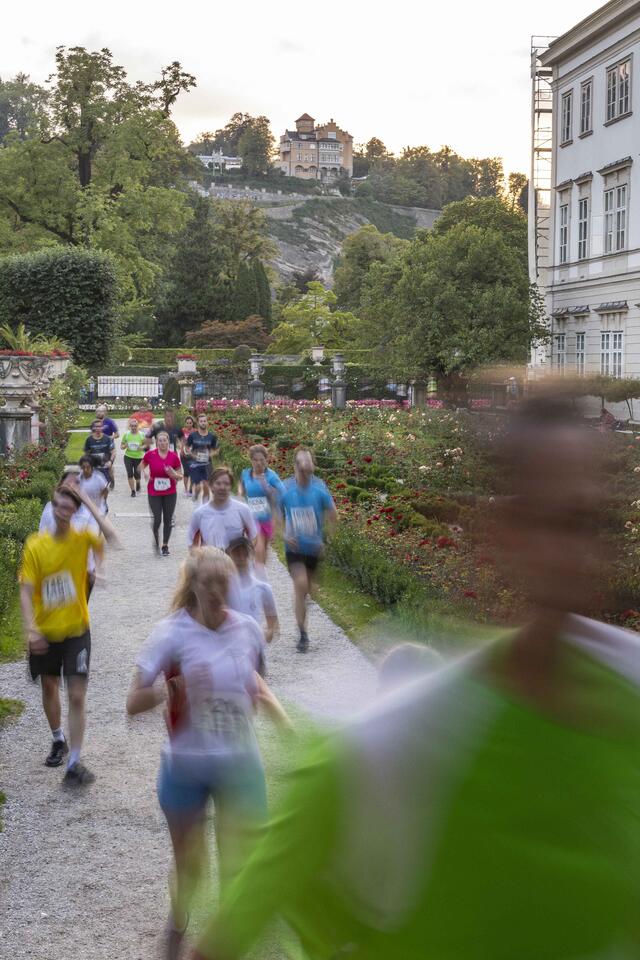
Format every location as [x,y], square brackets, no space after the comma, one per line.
[592,277]
[218,163]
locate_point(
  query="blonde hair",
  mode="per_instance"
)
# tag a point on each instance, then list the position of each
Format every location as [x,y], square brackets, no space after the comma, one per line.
[219,570]
[258,448]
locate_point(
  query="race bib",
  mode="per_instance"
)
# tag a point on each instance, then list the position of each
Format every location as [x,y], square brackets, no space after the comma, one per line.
[222,720]
[258,505]
[202,456]
[133,446]
[58,590]
[161,483]
[304,522]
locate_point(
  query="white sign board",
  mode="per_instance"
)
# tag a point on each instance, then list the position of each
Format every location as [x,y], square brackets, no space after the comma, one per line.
[129,387]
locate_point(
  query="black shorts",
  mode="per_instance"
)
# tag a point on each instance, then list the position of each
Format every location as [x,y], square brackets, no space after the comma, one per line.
[70,656]
[308,560]
[132,466]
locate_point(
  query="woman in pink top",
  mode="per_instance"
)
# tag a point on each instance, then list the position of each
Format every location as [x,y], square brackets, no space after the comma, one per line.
[164,469]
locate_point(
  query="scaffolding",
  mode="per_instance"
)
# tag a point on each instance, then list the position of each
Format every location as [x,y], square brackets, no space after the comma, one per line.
[540,186]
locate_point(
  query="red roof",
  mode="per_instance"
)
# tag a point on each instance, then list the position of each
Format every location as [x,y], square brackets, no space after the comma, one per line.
[305,116]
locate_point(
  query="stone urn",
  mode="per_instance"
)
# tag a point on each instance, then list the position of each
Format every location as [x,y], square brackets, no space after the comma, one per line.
[187,363]
[21,377]
[58,363]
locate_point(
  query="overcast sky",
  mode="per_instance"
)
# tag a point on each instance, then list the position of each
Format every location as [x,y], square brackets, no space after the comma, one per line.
[457,75]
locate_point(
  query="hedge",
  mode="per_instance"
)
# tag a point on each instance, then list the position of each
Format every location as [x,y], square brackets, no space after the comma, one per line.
[65,293]
[167,355]
[363,561]
[39,487]
[19,518]
[10,552]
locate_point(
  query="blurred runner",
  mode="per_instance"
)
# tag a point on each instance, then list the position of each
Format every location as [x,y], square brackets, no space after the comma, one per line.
[164,469]
[109,429]
[201,446]
[488,810]
[101,449]
[94,483]
[261,486]
[185,459]
[252,596]
[223,518]
[309,513]
[53,601]
[82,519]
[133,446]
[208,655]
[169,426]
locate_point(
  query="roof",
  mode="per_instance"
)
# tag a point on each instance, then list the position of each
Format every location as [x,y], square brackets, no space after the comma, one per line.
[305,116]
[588,31]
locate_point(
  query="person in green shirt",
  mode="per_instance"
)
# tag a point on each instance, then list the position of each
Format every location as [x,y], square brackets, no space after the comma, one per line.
[133,446]
[488,810]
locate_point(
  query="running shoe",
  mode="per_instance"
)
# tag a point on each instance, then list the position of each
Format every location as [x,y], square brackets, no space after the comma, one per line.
[133,493]
[173,940]
[78,776]
[58,752]
[137,486]
[165,551]
[303,643]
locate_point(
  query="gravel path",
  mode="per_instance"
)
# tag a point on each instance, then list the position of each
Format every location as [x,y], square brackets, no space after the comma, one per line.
[83,874]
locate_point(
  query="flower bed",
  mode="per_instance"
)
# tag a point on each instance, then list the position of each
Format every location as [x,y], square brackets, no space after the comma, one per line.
[413,488]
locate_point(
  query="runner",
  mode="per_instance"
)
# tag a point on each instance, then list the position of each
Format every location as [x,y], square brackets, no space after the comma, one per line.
[202,445]
[476,812]
[261,486]
[81,520]
[308,509]
[93,483]
[132,444]
[185,459]
[223,518]
[252,596]
[110,429]
[167,425]
[208,655]
[164,470]
[101,449]
[53,601]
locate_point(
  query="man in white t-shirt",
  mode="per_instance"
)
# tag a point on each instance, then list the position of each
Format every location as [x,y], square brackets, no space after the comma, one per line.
[249,595]
[81,520]
[223,518]
[94,483]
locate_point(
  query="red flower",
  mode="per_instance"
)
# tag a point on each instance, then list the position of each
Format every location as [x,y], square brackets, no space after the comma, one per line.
[471,593]
[443,542]
[350,463]
[368,459]
[369,521]
[630,614]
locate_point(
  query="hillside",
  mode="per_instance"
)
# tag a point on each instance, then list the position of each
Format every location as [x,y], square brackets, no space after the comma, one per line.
[310,233]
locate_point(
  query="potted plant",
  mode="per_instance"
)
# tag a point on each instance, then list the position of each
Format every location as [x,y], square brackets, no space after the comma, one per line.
[187,363]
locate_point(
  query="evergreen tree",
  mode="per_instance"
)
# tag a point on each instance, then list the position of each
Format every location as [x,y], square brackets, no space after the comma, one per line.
[264,292]
[193,293]
[245,293]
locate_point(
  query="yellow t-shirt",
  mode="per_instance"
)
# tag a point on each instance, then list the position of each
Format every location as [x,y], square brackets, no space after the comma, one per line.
[57,569]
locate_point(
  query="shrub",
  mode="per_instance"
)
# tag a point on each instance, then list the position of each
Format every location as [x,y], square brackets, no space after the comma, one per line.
[242,353]
[10,552]
[40,487]
[377,574]
[65,293]
[19,518]
[252,331]
[442,508]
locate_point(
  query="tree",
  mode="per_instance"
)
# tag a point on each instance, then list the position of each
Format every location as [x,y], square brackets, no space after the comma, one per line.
[193,294]
[251,331]
[241,233]
[244,301]
[517,185]
[22,107]
[228,138]
[312,320]
[359,251]
[487,213]
[451,301]
[366,154]
[264,293]
[256,147]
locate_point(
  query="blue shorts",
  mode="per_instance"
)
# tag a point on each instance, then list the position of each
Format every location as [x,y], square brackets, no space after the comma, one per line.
[233,780]
[199,472]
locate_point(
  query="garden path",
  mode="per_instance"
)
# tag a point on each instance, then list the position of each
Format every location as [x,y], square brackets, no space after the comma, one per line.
[84,874]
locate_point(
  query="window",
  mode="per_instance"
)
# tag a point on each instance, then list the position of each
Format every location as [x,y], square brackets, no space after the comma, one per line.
[611,353]
[583,228]
[586,111]
[564,232]
[618,90]
[615,219]
[560,354]
[565,123]
[580,354]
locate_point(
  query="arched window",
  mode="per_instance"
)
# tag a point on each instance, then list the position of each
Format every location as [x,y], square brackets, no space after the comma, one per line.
[299,170]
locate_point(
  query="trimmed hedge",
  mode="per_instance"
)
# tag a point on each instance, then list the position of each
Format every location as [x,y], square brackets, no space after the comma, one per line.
[10,553]
[19,518]
[65,293]
[39,487]
[167,355]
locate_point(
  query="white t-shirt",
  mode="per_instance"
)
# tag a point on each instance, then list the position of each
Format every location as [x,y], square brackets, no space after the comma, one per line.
[252,597]
[93,487]
[218,670]
[81,520]
[219,526]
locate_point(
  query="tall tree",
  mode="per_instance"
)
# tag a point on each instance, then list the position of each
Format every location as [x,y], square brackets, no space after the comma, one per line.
[359,251]
[256,147]
[264,292]
[245,299]
[242,234]
[22,107]
[313,319]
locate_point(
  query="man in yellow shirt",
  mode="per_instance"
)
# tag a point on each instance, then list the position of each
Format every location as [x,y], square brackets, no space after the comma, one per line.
[53,600]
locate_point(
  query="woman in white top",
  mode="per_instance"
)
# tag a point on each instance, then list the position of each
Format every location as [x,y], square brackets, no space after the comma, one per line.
[223,518]
[208,656]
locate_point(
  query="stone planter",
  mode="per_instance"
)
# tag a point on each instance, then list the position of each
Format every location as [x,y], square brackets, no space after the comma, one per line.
[58,366]
[186,365]
[20,379]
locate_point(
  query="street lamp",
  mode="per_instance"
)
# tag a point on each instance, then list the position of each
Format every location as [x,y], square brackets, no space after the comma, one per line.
[317,355]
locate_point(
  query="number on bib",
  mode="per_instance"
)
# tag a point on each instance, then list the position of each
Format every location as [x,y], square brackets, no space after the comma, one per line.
[58,590]
[134,446]
[222,719]
[202,456]
[258,505]
[304,521]
[161,483]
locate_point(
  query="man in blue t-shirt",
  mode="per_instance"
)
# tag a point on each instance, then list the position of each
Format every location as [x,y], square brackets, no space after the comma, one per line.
[308,511]
[110,430]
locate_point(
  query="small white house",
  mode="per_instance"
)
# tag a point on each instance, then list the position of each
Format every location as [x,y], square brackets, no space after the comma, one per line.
[217,162]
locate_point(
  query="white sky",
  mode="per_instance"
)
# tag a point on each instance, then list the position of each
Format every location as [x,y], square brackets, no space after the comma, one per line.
[404,71]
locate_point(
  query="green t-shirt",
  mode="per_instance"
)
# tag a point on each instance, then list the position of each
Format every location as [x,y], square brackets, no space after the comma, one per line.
[134,445]
[459,823]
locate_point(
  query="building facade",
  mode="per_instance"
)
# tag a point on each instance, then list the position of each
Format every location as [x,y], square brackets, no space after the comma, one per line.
[592,273]
[311,152]
[216,162]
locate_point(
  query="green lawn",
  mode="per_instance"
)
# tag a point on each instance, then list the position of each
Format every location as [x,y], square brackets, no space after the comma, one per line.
[11,645]
[75,446]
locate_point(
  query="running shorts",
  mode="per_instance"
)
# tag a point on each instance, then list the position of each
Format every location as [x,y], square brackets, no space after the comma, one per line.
[69,657]
[266,529]
[199,472]
[308,560]
[233,779]
[132,466]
